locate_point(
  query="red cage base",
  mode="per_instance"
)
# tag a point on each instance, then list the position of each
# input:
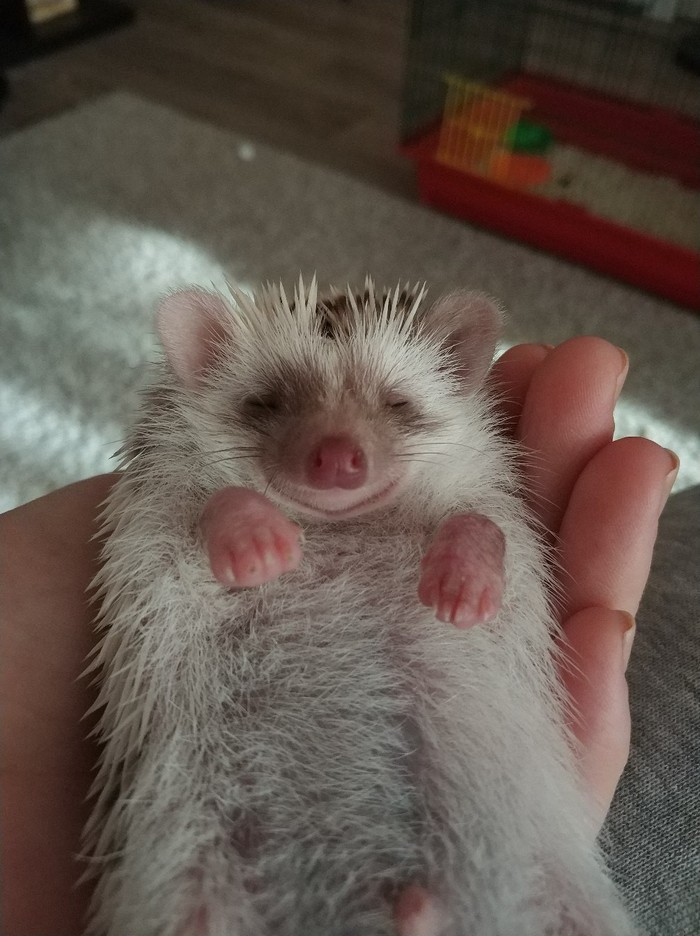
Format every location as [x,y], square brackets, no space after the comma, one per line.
[651,139]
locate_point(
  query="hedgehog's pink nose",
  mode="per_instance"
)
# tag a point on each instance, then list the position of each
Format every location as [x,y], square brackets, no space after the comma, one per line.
[337,461]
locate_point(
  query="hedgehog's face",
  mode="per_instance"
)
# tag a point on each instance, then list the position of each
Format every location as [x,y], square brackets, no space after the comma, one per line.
[334,412]
[338,427]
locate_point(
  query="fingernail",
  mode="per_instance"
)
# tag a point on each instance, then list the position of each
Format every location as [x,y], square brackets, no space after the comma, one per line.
[547,347]
[622,376]
[670,478]
[629,629]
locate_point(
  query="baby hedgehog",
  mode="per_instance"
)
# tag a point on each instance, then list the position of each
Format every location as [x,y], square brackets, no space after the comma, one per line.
[302,734]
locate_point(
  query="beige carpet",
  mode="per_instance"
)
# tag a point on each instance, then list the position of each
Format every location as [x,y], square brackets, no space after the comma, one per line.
[105,208]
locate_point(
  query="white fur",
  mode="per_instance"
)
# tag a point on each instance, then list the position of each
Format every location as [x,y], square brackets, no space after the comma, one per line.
[282,753]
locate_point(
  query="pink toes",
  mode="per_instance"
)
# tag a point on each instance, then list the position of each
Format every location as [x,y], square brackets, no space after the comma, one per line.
[253,557]
[248,540]
[416,913]
[458,599]
[462,572]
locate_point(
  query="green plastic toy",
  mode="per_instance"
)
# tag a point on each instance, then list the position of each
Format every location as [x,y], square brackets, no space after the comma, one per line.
[525,137]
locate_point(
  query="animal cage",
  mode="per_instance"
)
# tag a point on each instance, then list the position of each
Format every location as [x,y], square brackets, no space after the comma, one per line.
[574,126]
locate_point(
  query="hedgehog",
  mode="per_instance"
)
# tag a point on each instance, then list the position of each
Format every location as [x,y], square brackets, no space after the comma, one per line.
[328,699]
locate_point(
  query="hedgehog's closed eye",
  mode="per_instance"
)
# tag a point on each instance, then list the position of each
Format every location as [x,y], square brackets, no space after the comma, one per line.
[406,413]
[396,400]
[261,405]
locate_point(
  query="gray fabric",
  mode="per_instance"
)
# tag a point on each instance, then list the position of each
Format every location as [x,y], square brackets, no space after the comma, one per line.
[654,825]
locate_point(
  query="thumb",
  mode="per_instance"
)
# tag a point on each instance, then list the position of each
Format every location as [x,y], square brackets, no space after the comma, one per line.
[594,649]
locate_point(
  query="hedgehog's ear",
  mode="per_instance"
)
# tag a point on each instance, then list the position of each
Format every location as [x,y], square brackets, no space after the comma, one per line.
[469,325]
[192,327]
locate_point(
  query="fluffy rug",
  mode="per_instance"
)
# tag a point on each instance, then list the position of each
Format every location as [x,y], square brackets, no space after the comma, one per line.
[105,208]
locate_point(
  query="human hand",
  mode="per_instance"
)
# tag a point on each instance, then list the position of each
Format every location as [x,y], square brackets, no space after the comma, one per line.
[47,559]
[600,498]
[600,502]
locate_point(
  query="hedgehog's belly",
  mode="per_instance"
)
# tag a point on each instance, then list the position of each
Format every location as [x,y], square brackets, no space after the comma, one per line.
[301,745]
[281,766]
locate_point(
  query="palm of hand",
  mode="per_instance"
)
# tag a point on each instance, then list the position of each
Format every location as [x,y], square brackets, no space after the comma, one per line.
[601,499]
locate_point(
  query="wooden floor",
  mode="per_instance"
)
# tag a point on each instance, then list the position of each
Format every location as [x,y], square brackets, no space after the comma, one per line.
[321,78]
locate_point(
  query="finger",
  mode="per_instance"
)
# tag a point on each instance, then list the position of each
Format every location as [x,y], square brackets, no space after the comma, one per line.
[567,417]
[608,532]
[595,647]
[510,378]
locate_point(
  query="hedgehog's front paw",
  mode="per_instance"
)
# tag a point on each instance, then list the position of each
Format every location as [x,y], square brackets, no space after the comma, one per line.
[247,539]
[462,572]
